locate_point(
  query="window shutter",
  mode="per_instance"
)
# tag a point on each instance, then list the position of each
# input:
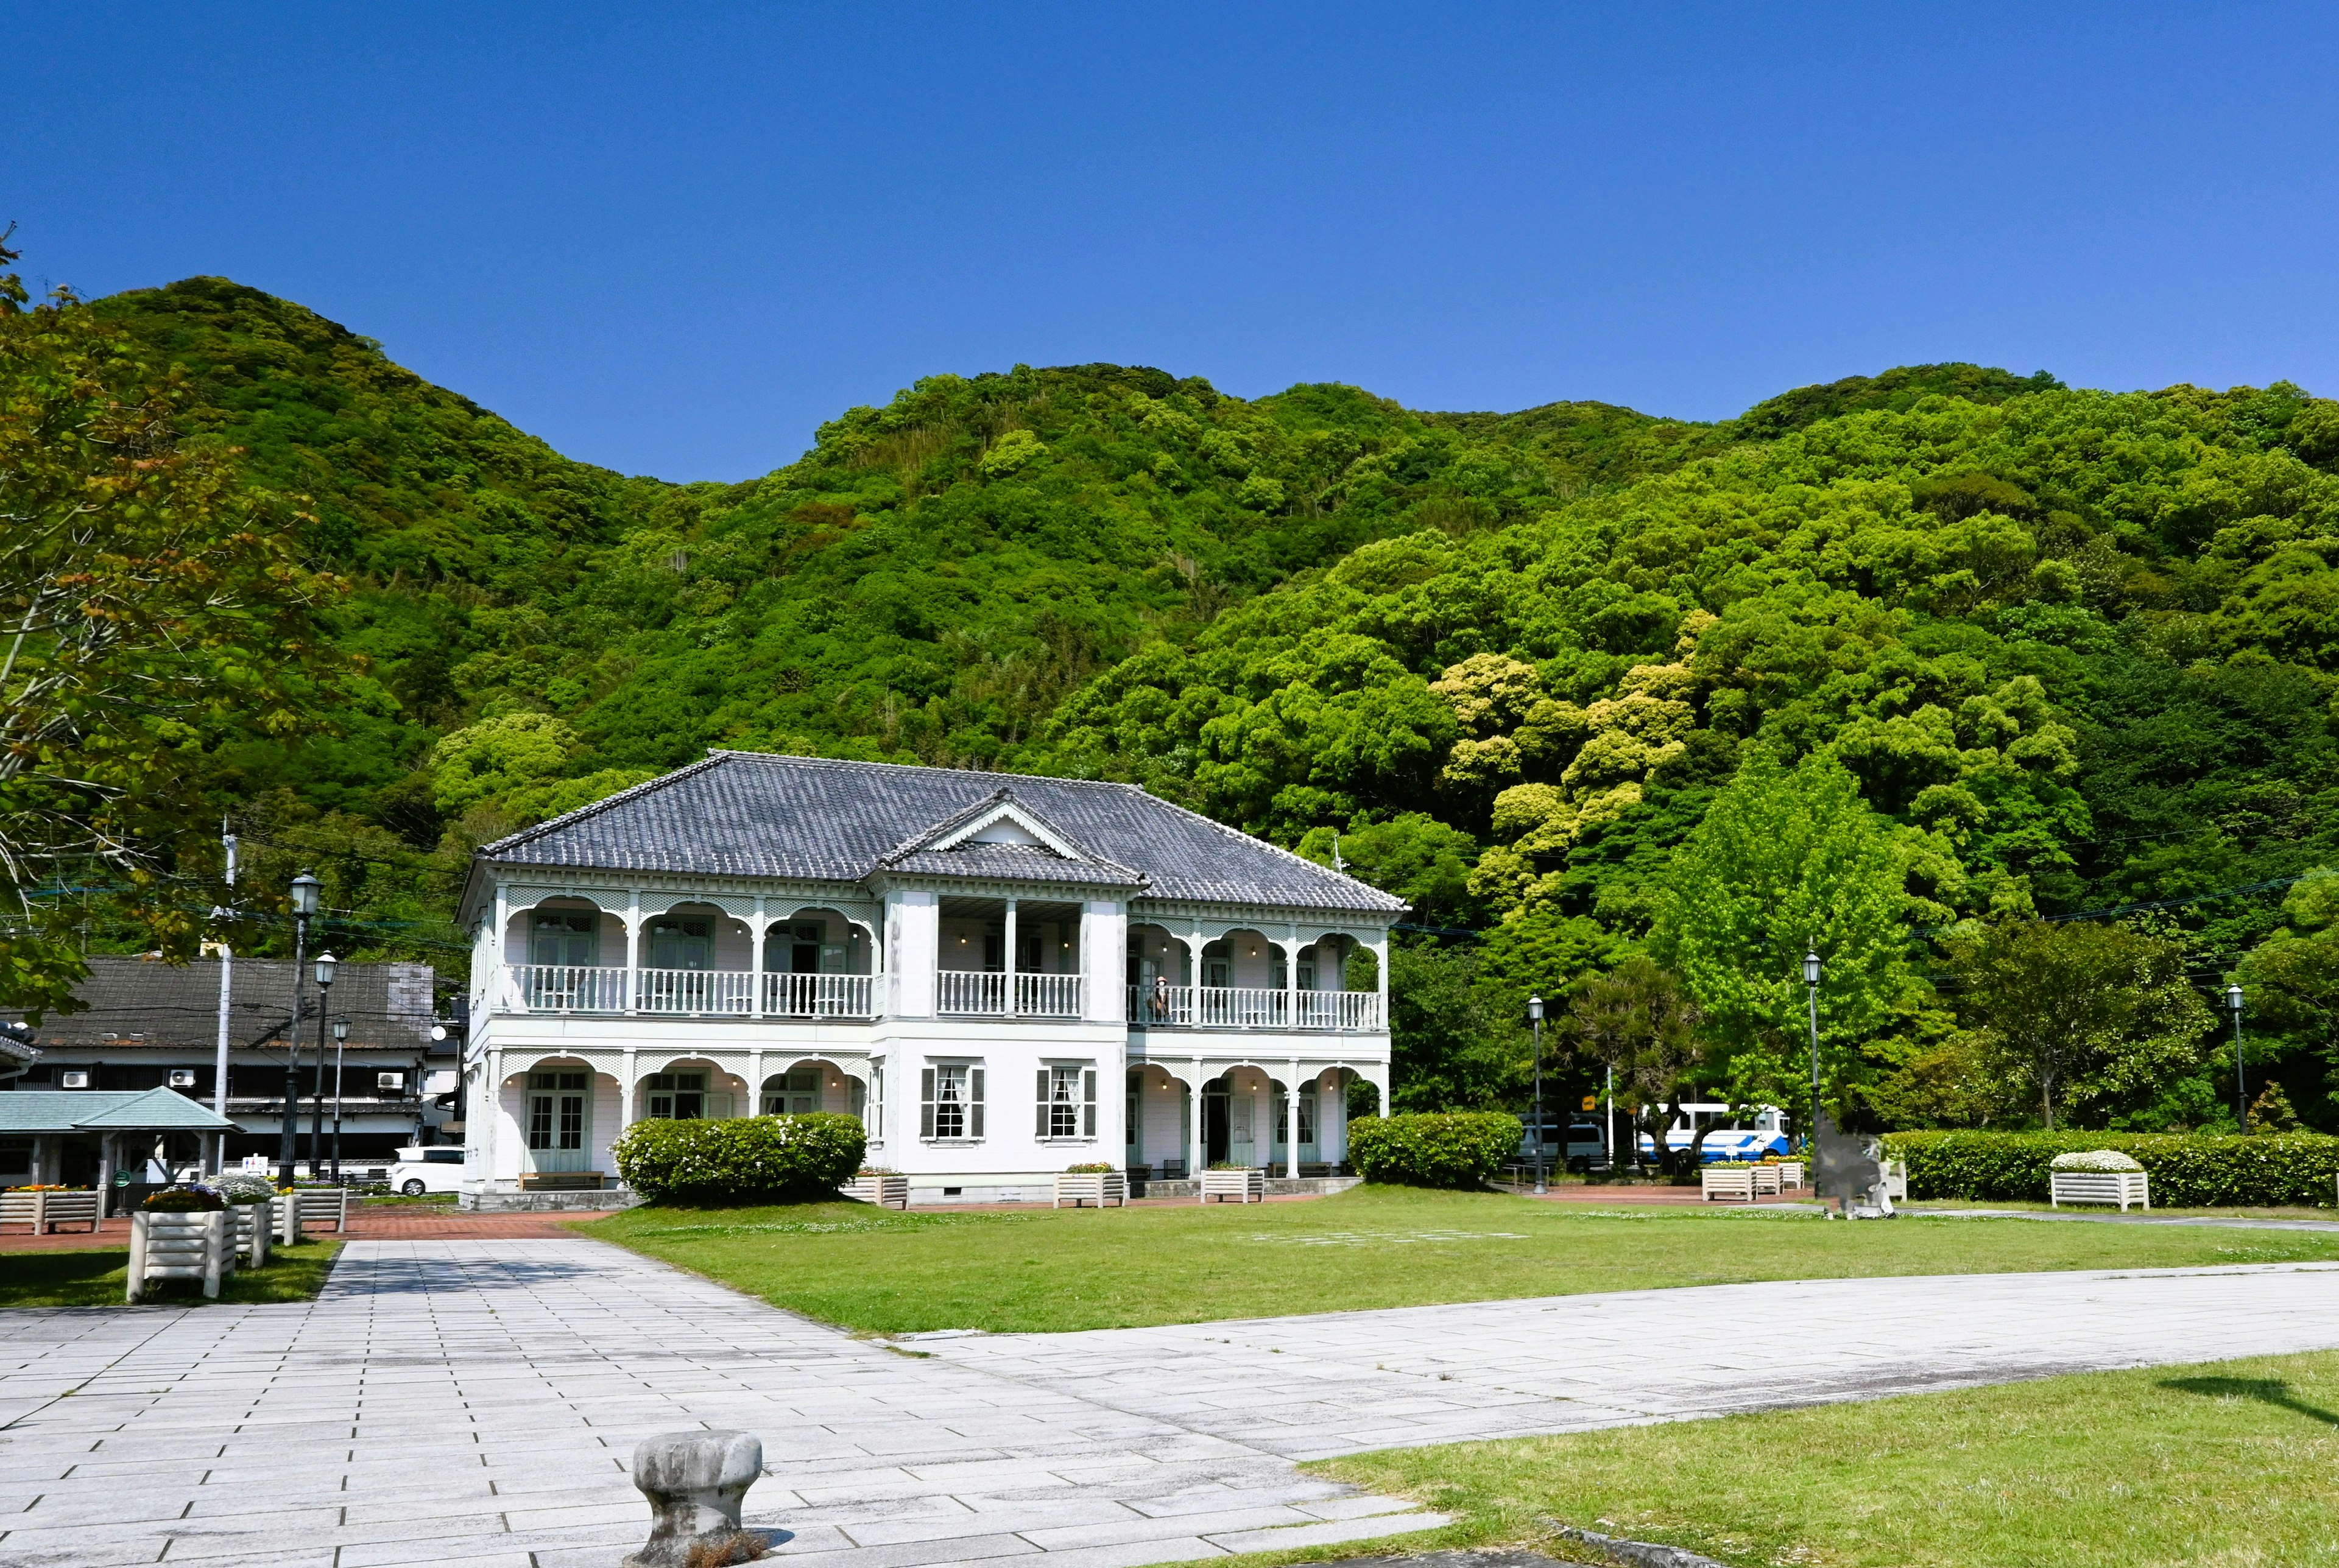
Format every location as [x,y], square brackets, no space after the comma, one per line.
[974,1108]
[926,1106]
[1087,1102]
[1041,1130]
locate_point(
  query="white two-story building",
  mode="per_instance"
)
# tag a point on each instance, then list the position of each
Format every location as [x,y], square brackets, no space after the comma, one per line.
[1001,975]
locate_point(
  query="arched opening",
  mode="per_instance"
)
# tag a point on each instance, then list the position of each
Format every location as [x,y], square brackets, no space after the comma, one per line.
[816,964]
[693,1090]
[1161,977]
[1244,982]
[1159,1125]
[695,958]
[567,955]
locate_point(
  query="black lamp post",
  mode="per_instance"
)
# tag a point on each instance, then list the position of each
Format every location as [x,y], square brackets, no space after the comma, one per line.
[305,888]
[341,1039]
[324,977]
[2241,1094]
[1811,985]
[1534,1016]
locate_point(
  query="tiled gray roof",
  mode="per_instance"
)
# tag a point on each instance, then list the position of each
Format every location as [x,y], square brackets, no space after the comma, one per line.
[744,813]
[138,1004]
[1014,863]
[110,1111]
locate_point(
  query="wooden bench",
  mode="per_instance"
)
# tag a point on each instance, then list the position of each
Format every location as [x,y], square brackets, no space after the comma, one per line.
[1721,1185]
[2121,1187]
[45,1211]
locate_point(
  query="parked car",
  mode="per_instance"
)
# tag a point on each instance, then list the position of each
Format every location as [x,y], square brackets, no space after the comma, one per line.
[421,1170]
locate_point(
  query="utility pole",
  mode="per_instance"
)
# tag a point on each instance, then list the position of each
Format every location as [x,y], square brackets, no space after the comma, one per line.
[227,969]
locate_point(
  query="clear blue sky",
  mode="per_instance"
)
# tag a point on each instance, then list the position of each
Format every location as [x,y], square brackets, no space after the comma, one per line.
[674,239]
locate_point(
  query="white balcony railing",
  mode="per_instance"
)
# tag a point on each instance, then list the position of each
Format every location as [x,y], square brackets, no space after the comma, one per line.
[697,991]
[975,994]
[563,988]
[1236,1006]
[1048,995]
[691,992]
[820,996]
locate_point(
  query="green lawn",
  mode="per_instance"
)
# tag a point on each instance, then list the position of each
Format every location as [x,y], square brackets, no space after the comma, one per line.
[1045,1269]
[2227,1464]
[99,1276]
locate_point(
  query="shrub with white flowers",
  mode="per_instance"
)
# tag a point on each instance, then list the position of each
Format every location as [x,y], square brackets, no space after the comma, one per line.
[2107,1160]
[741,1159]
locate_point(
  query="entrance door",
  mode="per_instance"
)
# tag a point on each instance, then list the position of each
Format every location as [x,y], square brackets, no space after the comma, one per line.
[1215,1141]
[559,1120]
[1241,1147]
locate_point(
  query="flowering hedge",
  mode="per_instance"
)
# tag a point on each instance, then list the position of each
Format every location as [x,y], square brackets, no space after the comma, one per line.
[1446,1149]
[741,1159]
[2189,1171]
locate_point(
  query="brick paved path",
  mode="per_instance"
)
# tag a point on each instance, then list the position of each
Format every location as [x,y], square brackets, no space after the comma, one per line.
[392,1222]
[474,1402]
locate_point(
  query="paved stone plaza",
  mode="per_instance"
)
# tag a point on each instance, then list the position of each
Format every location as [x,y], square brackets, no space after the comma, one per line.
[474,1402]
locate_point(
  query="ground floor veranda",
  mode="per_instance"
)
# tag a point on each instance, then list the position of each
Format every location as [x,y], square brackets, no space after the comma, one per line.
[545,1116]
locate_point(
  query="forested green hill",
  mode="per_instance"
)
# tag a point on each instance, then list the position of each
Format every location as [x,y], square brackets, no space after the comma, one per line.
[2082,644]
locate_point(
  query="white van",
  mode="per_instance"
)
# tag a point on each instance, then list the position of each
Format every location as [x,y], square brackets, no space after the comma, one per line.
[421,1170]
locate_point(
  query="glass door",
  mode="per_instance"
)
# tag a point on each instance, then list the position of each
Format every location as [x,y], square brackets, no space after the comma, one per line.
[559,1120]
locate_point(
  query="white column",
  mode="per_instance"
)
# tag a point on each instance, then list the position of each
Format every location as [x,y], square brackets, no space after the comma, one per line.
[1104,954]
[754,1081]
[1198,1144]
[1381,952]
[1012,1008]
[491,1111]
[758,923]
[917,950]
[626,1093]
[632,919]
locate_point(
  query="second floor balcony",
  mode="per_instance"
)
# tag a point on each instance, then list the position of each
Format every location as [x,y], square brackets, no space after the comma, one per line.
[551,988]
[1165,1006]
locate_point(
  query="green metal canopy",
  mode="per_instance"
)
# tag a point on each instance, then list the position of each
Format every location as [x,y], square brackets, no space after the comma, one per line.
[43,1110]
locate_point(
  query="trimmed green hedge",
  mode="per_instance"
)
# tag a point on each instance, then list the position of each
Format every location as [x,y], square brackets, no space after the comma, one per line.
[2189,1171]
[741,1159]
[1448,1148]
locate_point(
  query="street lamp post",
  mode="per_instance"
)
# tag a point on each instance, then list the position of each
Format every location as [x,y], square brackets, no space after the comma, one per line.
[1534,1016]
[305,888]
[324,977]
[2241,1094]
[1811,985]
[341,1039]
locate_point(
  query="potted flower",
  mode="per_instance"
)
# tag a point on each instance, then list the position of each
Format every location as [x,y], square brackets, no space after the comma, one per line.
[1243,1183]
[1097,1182]
[182,1233]
[2097,1176]
[875,1184]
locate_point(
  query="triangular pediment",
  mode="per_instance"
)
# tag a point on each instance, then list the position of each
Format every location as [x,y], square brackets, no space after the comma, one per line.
[1000,819]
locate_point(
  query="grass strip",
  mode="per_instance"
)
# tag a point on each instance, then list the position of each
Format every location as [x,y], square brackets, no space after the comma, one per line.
[101,1275]
[1042,1271]
[2227,1464]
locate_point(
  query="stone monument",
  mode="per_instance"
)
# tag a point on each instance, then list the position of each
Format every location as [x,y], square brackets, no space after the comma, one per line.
[695,1481]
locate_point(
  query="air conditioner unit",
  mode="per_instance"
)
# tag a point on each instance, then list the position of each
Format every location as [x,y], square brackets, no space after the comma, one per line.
[390,1080]
[183,1077]
[72,1080]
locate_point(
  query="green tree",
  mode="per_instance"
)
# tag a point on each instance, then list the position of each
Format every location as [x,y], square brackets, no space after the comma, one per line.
[2076,1014]
[150,603]
[1637,1023]
[1446,1053]
[1785,861]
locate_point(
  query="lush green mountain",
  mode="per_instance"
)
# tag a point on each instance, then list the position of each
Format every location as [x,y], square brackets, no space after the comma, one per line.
[2084,646]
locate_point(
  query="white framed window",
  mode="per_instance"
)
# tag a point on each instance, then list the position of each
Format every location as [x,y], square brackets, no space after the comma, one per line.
[1066,1101]
[873,1115]
[951,1100]
[682,1097]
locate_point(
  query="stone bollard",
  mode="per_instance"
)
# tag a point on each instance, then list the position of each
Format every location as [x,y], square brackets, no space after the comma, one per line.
[695,1481]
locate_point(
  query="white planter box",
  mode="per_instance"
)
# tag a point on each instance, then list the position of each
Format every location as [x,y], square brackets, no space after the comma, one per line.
[885,1191]
[1242,1185]
[180,1246]
[254,1223]
[2121,1187]
[1724,1185]
[1791,1175]
[45,1211]
[1096,1186]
